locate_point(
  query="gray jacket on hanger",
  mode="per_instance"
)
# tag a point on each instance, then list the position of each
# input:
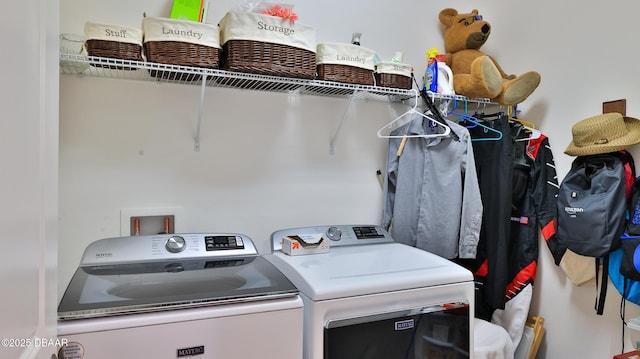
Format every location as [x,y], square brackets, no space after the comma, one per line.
[431,194]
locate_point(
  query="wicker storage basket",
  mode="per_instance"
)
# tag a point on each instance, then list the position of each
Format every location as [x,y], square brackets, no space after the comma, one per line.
[345,63]
[393,74]
[113,41]
[180,42]
[267,45]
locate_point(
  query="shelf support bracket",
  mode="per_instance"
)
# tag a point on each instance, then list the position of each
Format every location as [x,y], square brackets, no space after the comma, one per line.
[196,136]
[334,138]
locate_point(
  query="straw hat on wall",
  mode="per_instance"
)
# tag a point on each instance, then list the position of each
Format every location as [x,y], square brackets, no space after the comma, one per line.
[605,133]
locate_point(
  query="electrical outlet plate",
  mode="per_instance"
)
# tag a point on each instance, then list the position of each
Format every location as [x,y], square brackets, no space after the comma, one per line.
[127,213]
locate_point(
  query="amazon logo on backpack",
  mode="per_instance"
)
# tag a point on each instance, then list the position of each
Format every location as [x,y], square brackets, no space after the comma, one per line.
[572,211]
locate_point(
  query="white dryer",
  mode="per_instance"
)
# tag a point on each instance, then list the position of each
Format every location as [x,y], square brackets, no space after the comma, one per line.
[371,297]
[173,296]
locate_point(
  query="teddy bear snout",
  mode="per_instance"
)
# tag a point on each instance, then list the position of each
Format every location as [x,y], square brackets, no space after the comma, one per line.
[477,39]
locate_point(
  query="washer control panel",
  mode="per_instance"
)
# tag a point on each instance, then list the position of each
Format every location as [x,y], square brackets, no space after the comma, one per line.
[339,235]
[175,244]
[214,243]
[167,246]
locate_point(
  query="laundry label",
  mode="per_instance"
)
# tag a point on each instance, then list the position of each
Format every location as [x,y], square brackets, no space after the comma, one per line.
[162,29]
[345,54]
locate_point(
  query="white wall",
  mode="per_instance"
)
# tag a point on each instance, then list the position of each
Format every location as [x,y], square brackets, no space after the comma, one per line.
[29,193]
[265,163]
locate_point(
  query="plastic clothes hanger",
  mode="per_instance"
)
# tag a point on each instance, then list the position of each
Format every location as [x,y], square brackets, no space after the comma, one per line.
[528,126]
[487,129]
[475,123]
[413,111]
[463,116]
[533,134]
[512,111]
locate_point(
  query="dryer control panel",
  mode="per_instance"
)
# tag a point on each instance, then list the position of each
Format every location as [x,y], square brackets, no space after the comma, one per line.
[340,235]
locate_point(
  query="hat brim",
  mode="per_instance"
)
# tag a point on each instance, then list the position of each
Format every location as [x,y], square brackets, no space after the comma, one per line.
[631,138]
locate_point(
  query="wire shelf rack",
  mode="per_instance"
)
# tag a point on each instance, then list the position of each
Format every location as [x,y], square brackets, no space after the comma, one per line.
[102,67]
[93,66]
[81,65]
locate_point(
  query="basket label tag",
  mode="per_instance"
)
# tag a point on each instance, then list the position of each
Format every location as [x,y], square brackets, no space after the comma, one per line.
[349,58]
[94,31]
[387,67]
[345,54]
[286,31]
[163,29]
[266,28]
[182,33]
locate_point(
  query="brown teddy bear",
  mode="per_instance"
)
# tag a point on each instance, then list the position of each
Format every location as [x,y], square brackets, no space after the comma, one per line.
[475,74]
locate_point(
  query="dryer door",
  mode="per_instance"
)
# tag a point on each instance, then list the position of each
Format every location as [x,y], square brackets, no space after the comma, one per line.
[440,331]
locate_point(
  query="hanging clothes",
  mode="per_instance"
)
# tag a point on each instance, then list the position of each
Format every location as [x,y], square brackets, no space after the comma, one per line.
[431,195]
[494,165]
[535,190]
[532,211]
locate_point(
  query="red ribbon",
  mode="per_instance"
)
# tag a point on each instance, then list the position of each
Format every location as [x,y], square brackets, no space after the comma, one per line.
[282,12]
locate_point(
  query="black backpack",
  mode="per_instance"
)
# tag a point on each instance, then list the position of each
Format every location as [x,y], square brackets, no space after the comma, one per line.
[592,207]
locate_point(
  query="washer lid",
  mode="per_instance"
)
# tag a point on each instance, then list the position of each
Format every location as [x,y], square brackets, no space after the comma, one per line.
[360,270]
[123,288]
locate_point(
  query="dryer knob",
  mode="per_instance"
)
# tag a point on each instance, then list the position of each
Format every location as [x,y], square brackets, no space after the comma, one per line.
[334,233]
[175,244]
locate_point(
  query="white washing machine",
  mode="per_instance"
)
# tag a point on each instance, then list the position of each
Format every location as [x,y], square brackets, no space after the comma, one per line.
[370,297]
[179,295]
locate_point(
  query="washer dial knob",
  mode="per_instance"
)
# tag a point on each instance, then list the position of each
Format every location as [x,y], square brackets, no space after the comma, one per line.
[334,233]
[175,244]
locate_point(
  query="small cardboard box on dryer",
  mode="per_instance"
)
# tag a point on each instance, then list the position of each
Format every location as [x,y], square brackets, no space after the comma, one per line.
[305,244]
[629,355]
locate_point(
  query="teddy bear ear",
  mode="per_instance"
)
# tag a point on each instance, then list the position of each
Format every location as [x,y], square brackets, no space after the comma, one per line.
[447,15]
